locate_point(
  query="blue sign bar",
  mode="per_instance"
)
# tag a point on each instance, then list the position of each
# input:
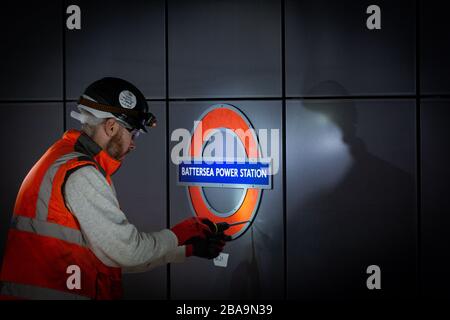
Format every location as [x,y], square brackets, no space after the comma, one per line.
[225,174]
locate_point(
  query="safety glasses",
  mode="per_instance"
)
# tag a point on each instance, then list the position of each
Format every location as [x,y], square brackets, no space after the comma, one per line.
[134,133]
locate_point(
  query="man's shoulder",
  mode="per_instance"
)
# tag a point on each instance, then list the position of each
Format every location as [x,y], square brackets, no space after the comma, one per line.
[85,174]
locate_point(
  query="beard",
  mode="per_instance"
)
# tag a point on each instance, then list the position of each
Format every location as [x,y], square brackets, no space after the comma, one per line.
[114,146]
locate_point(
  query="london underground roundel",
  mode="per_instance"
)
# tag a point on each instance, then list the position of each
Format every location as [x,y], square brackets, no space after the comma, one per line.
[209,179]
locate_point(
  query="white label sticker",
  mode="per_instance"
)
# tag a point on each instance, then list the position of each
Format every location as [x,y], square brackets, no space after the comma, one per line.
[127,99]
[221,260]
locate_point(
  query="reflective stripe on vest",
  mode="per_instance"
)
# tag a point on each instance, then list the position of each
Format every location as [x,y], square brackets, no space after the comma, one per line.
[45,189]
[38,293]
[48,229]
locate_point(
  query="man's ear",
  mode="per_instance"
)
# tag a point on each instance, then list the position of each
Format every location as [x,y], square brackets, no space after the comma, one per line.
[111,127]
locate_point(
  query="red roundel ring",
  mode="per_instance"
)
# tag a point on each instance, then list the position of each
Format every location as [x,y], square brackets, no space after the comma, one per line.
[228,117]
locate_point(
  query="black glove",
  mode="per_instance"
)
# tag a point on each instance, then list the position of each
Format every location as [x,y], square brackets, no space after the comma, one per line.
[217,229]
[208,248]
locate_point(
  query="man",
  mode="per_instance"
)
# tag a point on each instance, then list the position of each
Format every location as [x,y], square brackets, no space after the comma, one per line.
[69,238]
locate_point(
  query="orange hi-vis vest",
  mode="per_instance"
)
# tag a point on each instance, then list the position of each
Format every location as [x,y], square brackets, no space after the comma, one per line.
[45,247]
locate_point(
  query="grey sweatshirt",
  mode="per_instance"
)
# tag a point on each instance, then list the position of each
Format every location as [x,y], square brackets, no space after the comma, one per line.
[114,240]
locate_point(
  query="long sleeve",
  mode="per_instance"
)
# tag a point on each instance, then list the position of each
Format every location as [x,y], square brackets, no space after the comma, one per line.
[114,240]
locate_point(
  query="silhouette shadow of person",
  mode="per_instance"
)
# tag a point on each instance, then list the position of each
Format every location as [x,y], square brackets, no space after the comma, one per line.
[245,281]
[350,208]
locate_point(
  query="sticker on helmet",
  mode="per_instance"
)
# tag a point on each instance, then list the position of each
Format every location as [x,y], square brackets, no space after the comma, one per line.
[127,99]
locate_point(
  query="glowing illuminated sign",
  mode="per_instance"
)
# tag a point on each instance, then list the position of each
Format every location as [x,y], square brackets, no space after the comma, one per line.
[226,175]
[251,172]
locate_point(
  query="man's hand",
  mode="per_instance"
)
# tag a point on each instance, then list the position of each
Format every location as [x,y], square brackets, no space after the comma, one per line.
[191,228]
[208,248]
[218,232]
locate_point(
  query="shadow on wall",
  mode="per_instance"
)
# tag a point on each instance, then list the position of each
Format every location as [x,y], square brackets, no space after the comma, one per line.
[247,277]
[245,280]
[360,213]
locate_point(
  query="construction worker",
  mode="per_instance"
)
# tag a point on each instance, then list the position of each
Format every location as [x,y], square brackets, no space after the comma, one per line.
[69,238]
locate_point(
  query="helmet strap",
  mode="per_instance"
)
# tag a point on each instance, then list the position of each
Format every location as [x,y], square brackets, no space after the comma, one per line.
[111,109]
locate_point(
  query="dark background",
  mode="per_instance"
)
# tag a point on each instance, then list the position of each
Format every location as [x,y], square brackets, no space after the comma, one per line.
[363,118]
